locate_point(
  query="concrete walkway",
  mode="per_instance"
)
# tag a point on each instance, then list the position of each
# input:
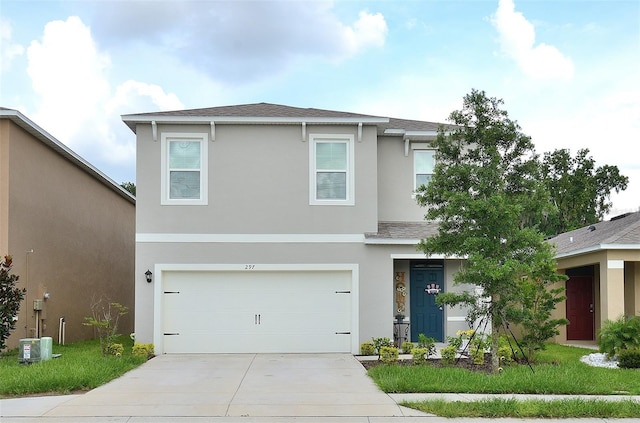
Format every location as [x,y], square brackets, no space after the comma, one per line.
[218,388]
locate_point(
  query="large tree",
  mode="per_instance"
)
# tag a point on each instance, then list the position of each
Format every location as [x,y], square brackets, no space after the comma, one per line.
[579,190]
[486,196]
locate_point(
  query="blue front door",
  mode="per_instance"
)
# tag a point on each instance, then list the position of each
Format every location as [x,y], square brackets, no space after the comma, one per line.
[426,316]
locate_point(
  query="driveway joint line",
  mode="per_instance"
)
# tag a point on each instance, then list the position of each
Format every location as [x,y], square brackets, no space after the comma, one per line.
[240,384]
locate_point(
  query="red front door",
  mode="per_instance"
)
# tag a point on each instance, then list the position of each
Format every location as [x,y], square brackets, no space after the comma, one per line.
[580,308]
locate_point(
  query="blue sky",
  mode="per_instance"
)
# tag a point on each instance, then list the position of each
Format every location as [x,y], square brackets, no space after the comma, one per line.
[568,70]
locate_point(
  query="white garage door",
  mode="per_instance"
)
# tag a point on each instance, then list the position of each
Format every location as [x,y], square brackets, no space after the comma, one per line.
[257,311]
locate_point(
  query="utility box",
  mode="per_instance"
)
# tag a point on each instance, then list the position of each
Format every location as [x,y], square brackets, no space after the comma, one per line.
[29,350]
[46,348]
[37,305]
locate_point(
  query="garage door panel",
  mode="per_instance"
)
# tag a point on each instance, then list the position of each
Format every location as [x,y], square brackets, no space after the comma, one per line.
[288,311]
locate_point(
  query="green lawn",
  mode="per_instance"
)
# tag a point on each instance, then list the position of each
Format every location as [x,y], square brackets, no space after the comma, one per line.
[81,367]
[558,370]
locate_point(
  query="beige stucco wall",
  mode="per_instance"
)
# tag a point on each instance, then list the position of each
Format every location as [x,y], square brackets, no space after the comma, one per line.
[82,234]
[616,284]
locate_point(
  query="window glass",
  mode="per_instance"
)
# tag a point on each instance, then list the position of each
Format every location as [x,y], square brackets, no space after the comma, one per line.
[184,168]
[331,185]
[331,156]
[331,180]
[424,162]
[184,185]
[184,155]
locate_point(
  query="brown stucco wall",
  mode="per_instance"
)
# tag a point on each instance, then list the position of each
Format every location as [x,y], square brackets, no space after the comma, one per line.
[81,231]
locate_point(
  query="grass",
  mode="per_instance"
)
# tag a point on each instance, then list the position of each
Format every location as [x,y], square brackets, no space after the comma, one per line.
[560,409]
[558,370]
[81,367]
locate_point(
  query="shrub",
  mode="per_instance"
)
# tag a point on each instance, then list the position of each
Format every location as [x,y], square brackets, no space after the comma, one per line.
[115,349]
[407,347]
[618,335]
[143,350]
[505,354]
[367,348]
[629,359]
[419,355]
[388,355]
[448,354]
[381,342]
[427,342]
[104,319]
[455,342]
[10,299]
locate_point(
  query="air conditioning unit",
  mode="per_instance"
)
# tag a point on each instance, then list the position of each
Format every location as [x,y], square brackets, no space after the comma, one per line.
[29,350]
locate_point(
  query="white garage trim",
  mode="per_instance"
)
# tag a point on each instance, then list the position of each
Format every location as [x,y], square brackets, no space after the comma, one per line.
[158,330]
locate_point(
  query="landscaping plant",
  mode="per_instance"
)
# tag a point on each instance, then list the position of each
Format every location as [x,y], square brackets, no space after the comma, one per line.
[618,335]
[10,298]
[104,319]
[367,348]
[388,355]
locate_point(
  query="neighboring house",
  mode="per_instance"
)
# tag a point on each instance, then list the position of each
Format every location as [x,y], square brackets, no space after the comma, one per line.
[69,228]
[268,228]
[602,262]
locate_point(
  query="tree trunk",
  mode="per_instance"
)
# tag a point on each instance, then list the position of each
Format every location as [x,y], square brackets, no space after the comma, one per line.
[495,359]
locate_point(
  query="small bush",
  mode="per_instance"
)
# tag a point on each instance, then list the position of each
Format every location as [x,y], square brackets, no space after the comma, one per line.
[448,354]
[381,342]
[629,359]
[505,354]
[367,348]
[419,355]
[143,350]
[388,355]
[115,349]
[618,335]
[427,342]
[407,347]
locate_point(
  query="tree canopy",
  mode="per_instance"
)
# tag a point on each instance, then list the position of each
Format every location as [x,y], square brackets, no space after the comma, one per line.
[579,190]
[486,195]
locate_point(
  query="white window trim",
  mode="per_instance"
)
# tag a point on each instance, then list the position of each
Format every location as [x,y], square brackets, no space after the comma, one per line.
[415,171]
[349,139]
[164,184]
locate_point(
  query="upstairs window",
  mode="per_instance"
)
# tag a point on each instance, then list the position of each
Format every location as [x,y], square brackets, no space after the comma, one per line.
[184,178]
[331,178]
[423,164]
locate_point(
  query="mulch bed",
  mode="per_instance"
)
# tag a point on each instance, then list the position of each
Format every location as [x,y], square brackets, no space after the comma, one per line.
[463,363]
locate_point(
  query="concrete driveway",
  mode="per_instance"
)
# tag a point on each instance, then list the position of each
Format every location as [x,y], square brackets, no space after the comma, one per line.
[278,385]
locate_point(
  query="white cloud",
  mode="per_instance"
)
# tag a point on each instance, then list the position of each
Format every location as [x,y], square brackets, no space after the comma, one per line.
[368,30]
[241,41]
[76,104]
[69,75]
[517,40]
[8,49]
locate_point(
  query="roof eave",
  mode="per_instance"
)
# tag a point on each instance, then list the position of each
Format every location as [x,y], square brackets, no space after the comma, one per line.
[132,120]
[32,128]
[599,247]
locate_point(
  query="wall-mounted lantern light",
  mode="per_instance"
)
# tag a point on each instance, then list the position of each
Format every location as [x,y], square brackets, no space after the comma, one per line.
[149,276]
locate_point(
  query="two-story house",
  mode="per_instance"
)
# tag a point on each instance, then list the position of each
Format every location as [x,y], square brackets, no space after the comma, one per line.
[70,230]
[268,228]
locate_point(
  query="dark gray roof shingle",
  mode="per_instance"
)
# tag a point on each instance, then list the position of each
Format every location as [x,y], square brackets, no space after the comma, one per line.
[404,230]
[624,230]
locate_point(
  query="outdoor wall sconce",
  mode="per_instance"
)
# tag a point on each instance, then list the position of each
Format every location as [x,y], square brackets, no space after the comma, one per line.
[149,275]
[432,289]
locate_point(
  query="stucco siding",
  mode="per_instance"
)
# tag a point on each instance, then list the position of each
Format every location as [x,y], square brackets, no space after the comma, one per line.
[395,183]
[258,183]
[70,235]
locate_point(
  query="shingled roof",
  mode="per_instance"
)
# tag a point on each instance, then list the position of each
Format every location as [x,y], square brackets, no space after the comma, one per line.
[264,111]
[402,232]
[621,232]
